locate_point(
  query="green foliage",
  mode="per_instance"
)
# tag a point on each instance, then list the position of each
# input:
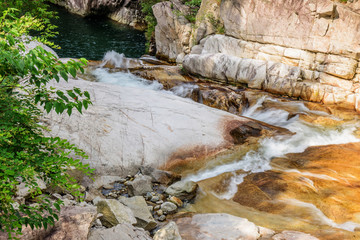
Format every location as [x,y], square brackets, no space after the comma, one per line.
[194,8]
[216,23]
[37,8]
[26,154]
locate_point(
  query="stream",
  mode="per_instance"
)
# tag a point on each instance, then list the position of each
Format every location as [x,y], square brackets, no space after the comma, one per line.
[307,181]
[297,198]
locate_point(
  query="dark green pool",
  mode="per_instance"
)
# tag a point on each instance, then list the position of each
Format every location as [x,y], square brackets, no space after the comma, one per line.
[91,38]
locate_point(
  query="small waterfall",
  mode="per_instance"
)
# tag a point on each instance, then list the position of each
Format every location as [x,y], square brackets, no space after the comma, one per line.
[118,60]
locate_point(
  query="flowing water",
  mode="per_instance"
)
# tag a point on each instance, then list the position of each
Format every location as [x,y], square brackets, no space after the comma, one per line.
[265,185]
[302,205]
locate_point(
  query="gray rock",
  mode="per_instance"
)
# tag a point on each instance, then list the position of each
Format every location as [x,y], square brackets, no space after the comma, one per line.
[160,176]
[169,232]
[183,190]
[217,226]
[74,223]
[114,213]
[140,185]
[122,231]
[155,199]
[141,212]
[168,207]
[24,192]
[293,235]
[127,144]
[162,218]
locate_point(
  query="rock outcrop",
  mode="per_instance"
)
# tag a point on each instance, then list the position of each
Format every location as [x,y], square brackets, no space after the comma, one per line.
[127,127]
[308,49]
[173,30]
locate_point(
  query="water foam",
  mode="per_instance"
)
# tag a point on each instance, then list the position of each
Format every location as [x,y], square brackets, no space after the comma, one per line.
[125,79]
[259,161]
[114,58]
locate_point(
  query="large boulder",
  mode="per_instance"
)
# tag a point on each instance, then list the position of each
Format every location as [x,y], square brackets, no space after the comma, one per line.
[128,127]
[114,212]
[74,223]
[141,211]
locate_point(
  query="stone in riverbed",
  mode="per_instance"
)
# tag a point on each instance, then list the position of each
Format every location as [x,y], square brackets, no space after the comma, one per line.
[114,213]
[124,231]
[184,190]
[140,210]
[168,207]
[169,232]
[160,176]
[140,185]
[217,226]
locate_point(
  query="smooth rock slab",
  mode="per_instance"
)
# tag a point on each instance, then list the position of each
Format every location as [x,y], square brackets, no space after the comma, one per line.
[128,127]
[217,226]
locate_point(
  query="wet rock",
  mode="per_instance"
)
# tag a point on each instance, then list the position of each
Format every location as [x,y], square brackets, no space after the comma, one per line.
[161,176]
[141,212]
[114,213]
[293,235]
[168,207]
[140,185]
[159,212]
[162,218]
[217,226]
[155,199]
[169,232]
[184,190]
[124,231]
[176,201]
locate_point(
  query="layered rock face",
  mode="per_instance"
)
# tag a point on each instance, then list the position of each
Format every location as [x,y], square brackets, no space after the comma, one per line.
[123,11]
[303,49]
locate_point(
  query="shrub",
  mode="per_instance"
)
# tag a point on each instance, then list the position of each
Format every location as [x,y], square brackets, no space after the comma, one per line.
[26,154]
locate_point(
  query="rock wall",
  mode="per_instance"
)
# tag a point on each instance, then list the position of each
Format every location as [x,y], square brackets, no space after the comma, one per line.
[173,30]
[303,49]
[123,11]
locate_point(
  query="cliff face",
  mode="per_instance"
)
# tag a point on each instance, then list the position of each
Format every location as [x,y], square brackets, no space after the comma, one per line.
[123,11]
[304,49]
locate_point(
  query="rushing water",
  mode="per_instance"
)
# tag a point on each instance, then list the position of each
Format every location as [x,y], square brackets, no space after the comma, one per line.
[256,161]
[92,37]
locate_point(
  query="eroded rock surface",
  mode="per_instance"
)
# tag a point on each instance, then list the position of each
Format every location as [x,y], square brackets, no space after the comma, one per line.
[127,127]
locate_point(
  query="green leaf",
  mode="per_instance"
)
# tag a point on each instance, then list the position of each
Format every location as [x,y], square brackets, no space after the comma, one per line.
[48,106]
[64,75]
[72,71]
